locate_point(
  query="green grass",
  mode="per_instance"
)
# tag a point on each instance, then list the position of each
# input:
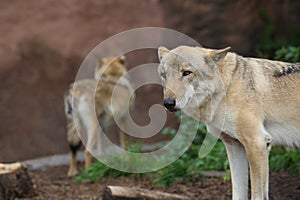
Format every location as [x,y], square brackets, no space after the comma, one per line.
[285,159]
[270,42]
[288,54]
[187,167]
[99,170]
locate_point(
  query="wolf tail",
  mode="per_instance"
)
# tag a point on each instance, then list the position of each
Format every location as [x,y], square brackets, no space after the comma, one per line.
[73,138]
[68,102]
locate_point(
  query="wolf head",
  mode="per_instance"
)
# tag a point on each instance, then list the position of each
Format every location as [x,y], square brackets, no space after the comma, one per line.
[190,75]
[110,67]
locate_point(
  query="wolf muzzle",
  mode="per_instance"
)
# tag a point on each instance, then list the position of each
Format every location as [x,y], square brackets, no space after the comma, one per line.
[170,104]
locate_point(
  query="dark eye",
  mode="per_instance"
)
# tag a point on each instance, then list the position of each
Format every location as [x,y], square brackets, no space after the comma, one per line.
[186,73]
[163,75]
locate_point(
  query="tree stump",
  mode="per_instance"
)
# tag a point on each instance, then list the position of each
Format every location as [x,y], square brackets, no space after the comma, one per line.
[15,181]
[126,193]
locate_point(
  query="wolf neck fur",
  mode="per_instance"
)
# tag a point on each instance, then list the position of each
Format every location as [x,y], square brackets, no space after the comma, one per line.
[228,68]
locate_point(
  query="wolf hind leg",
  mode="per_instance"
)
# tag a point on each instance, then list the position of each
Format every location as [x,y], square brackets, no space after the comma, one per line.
[74,145]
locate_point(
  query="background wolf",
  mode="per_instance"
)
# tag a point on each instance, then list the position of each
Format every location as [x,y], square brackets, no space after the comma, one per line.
[88,103]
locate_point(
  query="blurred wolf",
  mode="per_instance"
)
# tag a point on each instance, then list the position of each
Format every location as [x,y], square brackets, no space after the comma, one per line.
[250,103]
[83,103]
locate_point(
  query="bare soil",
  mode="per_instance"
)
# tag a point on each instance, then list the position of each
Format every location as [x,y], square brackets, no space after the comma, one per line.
[52,183]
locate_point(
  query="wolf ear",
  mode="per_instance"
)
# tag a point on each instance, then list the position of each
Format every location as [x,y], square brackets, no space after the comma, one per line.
[162,51]
[122,59]
[97,68]
[99,63]
[218,55]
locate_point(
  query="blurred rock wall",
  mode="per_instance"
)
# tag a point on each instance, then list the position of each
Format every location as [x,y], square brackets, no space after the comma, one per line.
[43,42]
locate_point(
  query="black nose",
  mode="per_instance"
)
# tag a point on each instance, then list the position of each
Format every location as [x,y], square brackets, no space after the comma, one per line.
[169,103]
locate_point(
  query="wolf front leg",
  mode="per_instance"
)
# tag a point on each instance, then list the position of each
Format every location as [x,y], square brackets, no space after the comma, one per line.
[257,148]
[124,138]
[88,158]
[259,171]
[94,143]
[238,167]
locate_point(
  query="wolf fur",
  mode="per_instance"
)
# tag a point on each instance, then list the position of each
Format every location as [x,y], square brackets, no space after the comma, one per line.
[250,103]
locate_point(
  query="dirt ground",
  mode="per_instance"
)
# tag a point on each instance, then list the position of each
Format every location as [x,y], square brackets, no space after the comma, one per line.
[52,183]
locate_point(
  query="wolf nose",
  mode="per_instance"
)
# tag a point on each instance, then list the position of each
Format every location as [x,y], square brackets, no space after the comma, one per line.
[169,103]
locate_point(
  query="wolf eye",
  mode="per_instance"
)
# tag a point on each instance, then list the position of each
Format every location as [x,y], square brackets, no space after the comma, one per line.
[186,73]
[163,75]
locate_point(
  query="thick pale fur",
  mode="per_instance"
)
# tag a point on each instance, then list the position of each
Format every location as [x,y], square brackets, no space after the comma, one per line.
[88,103]
[251,103]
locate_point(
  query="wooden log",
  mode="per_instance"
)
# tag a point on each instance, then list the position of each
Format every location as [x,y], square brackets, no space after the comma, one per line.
[126,193]
[15,181]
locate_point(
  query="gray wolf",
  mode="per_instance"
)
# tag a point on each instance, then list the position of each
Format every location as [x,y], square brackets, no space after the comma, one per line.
[250,103]
[80,98]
